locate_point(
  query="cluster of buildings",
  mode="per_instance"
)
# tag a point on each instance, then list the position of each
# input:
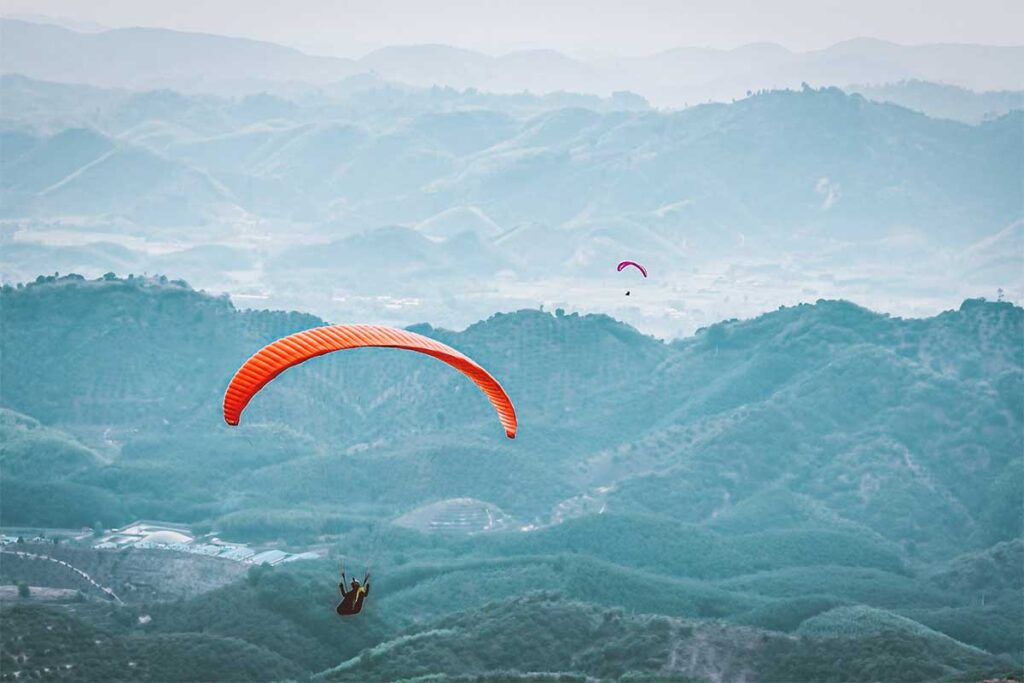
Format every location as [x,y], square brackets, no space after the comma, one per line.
[175,537]
[6,539]
[11,540]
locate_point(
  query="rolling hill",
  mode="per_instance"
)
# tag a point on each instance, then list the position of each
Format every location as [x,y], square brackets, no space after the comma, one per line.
[759,497]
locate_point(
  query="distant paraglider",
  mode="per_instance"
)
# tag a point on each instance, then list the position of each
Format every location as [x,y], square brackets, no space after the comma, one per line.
[636,265]
[625,264]
[278,356]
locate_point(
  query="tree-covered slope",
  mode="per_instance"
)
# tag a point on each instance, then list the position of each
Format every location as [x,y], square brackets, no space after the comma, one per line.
[817,470]
[543,634]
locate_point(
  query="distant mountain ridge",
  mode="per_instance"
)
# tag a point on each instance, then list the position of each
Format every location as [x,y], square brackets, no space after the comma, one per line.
[665,171]
[148,57]
[944,101]
[143,57]
[517,195]
[458,158]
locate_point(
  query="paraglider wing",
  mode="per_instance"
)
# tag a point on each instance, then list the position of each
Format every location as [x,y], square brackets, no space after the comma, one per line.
[634,264]
[278,356]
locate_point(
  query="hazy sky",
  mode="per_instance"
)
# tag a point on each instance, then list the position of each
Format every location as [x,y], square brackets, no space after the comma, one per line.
[581,27]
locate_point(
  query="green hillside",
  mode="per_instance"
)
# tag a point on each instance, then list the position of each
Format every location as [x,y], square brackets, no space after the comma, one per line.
[542,634]
[820,480]
[47,644]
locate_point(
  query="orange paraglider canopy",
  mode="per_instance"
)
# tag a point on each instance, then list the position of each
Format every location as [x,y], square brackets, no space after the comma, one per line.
[278,356]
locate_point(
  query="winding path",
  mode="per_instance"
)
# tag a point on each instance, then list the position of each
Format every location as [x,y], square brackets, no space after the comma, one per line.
[89,579]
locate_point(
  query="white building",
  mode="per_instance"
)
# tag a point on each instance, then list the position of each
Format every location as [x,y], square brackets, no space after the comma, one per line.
[268,557]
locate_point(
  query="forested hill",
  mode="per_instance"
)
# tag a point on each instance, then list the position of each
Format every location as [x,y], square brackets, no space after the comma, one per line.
[132,351]
[827,400]
[821,470]
[146,352]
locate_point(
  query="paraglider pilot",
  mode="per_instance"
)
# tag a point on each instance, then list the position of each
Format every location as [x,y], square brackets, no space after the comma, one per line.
[352,599]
